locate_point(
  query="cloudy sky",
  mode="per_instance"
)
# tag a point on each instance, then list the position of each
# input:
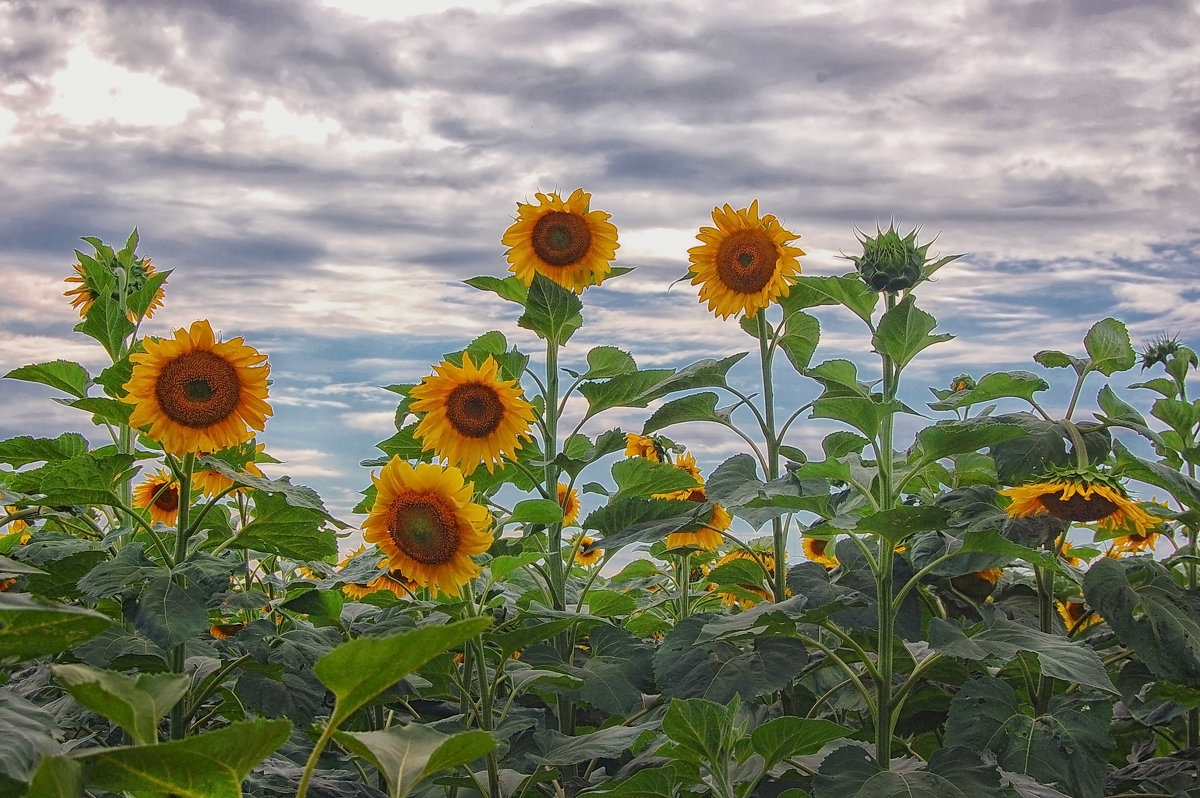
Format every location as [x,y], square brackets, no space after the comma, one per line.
[322,175]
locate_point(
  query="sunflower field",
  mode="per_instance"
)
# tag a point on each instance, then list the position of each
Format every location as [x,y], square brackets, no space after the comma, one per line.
[972,598]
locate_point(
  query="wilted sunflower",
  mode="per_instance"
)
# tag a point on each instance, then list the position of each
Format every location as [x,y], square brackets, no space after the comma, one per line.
[212,483]
[588,554]
[568,500]
[1081,495]
[159,494]
[744,263]
[817,550]
[564,241]
[705,535]
[978,585]
[426,524]
[84,295]
[196,393]
[642,446]
[471,415]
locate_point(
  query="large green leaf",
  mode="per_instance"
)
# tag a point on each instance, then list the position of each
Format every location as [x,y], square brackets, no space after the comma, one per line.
[511,288]
[641,477]
[605,362]
[786,736]
[1108,344]
[31,628]
[279,527]
[904,331]
[896,524]
[551,311]
[561,749]
[29,733]
[168,613]
[1150,613]
[1120,413]
[24,450]
[801,333]
[1022,458]
[357,671]
[134,704]
[64,375]
[698,727]
[736,485]
[861,412]
[641,520]
[1185,489]
[408,755]
[639,388]
[1067,747]
[89,478]
[851,772]
[956,437]
[700,406]
[209,765]
[846,290]
[656,782]
[107,323]
[997,385]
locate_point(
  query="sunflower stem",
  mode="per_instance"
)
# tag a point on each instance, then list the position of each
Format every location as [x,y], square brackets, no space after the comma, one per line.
[778,532]
[1081,457]
[886,616]
[1045,587]
[178,654]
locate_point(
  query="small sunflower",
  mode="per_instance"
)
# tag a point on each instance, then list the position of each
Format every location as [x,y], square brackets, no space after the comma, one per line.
[643,446]
[195,393]
[568,500]
[471,415]
[213,483]
[5,584]
[817,550]
[1077,615]
[1134,543]
[705,536]
[588,554]
[83,295]
[744,263]
[19,526]
[159,494]
[561,240]
[426,524]
[1083,495]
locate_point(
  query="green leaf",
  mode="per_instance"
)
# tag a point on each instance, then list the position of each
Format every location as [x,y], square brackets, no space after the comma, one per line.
[134,704]
[839,378]
[31,628]
[997,385]
[578,452]
[863,413]
[298,533]
[786,736]
[1150,613]
[904,331]
[357,671]
[28,732]
[1053,359]
[86,479]
[169,614]
[1108,344]
[606,362]
[692,407]
[24,450]
[1179,416]
[209,765]
[846,290]
[610,743]
[107,323]
[1068,746]
[851,772]
[551,311]
[956,437]
[11,567]
[536,511]
[736,486]
[639,388]
[295,495]
[1183,488]
[640,477]
[657,782]
[511,288]
[1120,413]
[64,375]
[57,777]
[896,524]
[801,333]
[1001,638]
[105,411]
[408,755]
[642,520]
[1020,459]
[698,727]
[517,639]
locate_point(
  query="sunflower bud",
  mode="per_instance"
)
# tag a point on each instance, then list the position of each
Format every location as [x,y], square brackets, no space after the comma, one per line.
[963,382]
[889,262]
[1165,350]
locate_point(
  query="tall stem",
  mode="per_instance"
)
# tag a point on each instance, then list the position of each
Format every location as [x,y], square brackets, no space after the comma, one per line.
[778,536]
[178,653]
[886,618]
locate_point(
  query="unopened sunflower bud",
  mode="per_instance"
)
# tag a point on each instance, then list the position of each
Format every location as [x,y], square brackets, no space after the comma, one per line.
[962,382]
[890,262]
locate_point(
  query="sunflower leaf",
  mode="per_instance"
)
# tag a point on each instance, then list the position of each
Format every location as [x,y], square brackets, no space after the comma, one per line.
[641,477]
[536,511]
[1183,488]
[134,704]
[24,450]
[551,311]
[30,627]
[107,323]
[904,331]
[787,736]
[510,288]
[64,375]
[801,333]
[282,528]
[1108,344]
[28,732]
[997,385]
[605,362]
[407,755]
[847,290]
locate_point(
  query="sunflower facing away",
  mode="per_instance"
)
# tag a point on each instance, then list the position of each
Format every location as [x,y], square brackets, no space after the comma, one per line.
[426,525]
[705,536]
[765,560]
[83,295]
[1072,496]
[744,263]
[642,446]
[195,393]
[159,494]
[568,500]
[471,415]
[561,240]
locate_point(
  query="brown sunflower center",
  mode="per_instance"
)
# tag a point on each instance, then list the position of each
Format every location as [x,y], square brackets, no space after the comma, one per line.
[198,389]
[746,261]
[1077,508]
[424,527]
[818,546]
[561,238]
[474,410]
[167,499]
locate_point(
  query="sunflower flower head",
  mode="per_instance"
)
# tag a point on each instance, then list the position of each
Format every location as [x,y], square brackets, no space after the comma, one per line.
[588,553]
[745,263]
[704,535]
[1077,615]
[817,550]
[192,393]
[890,262]
[978,585]
[158,493]
[647,446]
[425,523]
[563,240]
[471,415]
[1083,495]
[393,580]
[105,273]
[568,500]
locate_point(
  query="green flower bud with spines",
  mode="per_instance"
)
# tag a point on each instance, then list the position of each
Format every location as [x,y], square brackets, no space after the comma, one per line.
[891,262]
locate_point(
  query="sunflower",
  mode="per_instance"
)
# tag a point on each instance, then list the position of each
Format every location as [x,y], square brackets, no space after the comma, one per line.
[214,483]
[426,524]
[705,536]
[224,631]
[471,415]
[568,500]
[978,585]
[588,554]
[159,494]
[762,558]
[83,295]
[1134,543]
[1081,495]
[564,241]
[817,550]
[18,526]
[1077,615]
[687,462]
[197,394]
[642,446]
[744,263]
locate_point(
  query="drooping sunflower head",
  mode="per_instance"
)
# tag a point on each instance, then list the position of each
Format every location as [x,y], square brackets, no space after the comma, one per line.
[192,393]
[425,523]
[224,631]
[86,287]
[978,585]
[704,535]
[1085,496]
[817,550]
[588,553]
[568,500]
[744,263]
[159,494]
[563,240]
[471,415]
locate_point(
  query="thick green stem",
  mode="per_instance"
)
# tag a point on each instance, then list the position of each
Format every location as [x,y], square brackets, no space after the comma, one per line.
[886,617]
[778,533]
[1045,588]
[178,654]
